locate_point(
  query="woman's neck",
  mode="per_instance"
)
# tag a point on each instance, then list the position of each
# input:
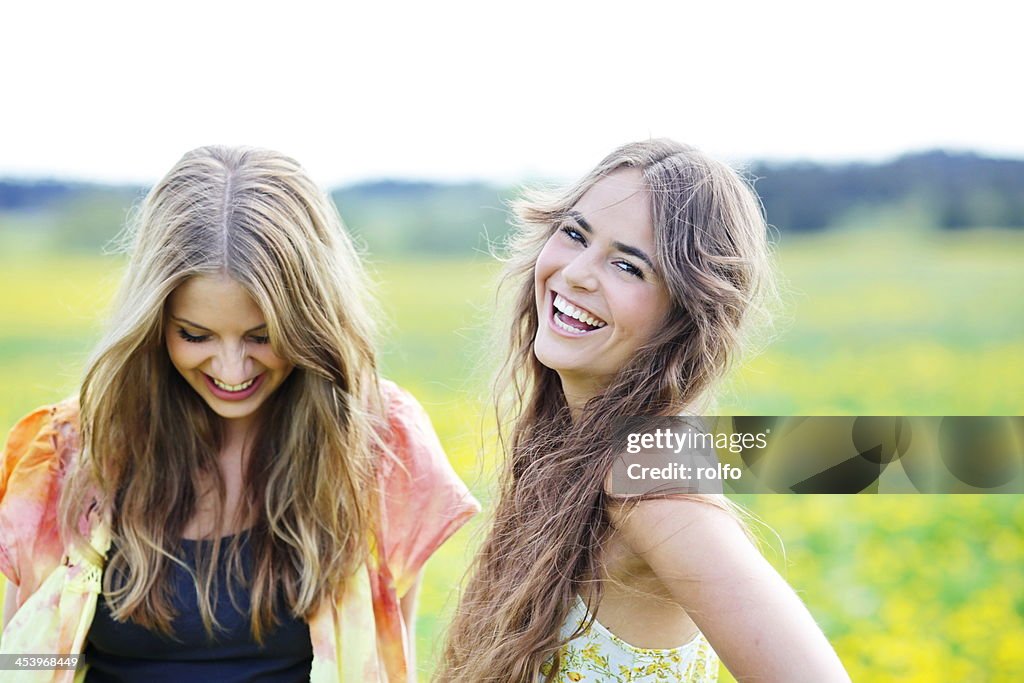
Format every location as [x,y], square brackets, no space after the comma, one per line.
[577,392]
[238,435]
[213,515]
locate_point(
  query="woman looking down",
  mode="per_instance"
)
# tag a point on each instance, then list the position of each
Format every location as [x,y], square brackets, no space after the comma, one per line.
[235,493]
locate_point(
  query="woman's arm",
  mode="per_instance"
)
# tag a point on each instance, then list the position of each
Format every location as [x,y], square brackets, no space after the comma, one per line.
[408,605]
[749,614]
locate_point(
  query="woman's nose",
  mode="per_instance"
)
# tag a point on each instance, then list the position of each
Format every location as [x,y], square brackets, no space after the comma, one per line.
[580,272]
[232,364]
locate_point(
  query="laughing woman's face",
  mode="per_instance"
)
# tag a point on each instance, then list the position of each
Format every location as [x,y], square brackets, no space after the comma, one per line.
[217,339]
[599,294]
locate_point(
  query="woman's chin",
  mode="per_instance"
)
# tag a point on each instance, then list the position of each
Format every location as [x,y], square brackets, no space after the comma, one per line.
[554,359]
[231,411]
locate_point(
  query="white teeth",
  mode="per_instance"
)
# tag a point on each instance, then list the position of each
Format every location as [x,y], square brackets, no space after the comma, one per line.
[233,387]
[577,313]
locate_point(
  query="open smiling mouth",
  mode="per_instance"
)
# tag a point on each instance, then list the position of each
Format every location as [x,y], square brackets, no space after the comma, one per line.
[234,392]
[572,319]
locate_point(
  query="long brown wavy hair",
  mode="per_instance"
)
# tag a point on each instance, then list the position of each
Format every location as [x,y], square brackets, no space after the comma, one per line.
[149,441]
[550,523]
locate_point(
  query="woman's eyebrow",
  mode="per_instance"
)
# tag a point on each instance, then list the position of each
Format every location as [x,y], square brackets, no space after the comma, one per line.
[624,248]
[578,217]
[633,251]
[207,329]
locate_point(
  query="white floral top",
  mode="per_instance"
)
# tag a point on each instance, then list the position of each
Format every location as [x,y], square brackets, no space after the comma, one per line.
[600,655]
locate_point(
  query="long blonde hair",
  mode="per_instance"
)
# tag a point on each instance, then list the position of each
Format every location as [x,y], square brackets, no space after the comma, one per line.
[551,520]
[149,440]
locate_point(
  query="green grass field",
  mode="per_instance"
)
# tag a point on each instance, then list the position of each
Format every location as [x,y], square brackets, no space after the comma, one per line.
[908,588]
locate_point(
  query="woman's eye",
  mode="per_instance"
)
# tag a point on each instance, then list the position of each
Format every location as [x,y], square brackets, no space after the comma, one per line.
[189,337]
[261,340]
[627,267]
[574,234]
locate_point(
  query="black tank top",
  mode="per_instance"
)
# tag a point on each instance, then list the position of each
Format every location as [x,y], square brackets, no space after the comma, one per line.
[128,652]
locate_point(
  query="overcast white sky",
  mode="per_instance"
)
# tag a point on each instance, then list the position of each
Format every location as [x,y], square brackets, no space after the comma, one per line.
[117,91]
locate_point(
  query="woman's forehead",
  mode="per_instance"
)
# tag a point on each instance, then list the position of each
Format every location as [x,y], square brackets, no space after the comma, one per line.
[215,300]
[619,203]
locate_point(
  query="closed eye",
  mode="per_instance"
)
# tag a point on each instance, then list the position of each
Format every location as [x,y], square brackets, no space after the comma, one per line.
[191,338]
[194,339]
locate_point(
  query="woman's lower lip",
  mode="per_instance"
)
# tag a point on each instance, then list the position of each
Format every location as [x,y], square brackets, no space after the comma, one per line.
[233,395]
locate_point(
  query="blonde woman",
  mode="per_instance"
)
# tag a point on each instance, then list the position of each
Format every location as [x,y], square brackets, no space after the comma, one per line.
[235,494]
[632,292]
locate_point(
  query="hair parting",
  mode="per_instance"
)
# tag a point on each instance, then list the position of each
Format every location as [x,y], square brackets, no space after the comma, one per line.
[150,444]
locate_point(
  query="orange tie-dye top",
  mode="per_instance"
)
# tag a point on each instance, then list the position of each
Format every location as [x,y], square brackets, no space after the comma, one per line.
[358,638]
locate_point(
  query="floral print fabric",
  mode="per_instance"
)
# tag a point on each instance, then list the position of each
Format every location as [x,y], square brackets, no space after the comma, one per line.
[359,638]
[600,655]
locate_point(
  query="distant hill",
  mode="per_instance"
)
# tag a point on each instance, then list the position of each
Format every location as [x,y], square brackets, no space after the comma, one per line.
[386,216]
[954,190]
[29,195]
[938,189]
[402,216]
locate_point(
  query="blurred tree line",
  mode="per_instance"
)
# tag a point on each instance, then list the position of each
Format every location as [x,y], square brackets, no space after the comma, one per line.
[413,217]
[953,191]
[933,189]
